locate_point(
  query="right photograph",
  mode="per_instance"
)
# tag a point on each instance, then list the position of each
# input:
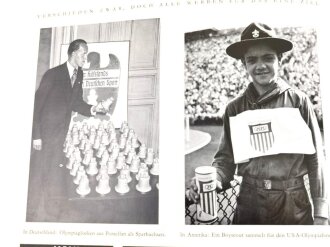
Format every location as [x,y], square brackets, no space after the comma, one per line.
[254,147]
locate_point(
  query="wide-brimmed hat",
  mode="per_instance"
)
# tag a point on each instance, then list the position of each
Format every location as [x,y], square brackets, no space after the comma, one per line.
[258,33]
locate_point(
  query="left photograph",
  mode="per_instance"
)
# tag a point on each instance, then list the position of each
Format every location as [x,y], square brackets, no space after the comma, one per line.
[95,131]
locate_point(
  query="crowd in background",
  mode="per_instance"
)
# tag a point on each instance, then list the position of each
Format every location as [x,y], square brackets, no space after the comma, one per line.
[212,78]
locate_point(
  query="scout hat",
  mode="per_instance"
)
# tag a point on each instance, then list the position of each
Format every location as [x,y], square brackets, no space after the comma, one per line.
[258,33]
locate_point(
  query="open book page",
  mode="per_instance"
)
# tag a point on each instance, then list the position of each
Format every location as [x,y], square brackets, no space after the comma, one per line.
[107,158]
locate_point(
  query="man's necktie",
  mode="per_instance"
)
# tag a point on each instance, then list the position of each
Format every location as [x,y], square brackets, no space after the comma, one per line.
[73,77]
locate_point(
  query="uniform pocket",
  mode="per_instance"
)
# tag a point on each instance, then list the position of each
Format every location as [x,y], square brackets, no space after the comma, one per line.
[300,200]
[275,203]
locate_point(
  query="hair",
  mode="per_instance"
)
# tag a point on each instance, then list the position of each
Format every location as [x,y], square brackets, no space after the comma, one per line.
[75,45]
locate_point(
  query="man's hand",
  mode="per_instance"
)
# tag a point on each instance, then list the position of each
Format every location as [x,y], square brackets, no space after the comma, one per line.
[37,144]
[321,221]
[103,106]
[99,108]
[192,192]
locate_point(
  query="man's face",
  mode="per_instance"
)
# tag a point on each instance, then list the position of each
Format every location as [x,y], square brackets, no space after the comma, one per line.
[80,55]
[262,64]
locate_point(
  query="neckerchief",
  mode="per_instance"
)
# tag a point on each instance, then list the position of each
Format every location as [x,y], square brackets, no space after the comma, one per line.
[276,89]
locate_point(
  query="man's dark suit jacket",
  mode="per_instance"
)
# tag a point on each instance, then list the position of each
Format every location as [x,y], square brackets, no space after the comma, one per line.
[55,99]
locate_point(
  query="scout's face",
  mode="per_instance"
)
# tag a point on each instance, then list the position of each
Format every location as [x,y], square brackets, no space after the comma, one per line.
[79,56]
[262,64]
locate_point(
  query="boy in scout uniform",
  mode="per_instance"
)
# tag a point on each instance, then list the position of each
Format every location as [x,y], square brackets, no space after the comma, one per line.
[272,189]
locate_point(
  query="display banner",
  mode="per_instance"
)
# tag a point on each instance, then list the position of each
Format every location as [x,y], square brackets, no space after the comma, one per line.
[269,131]
[105,76]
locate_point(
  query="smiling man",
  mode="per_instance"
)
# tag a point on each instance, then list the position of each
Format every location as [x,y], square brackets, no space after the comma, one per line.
[272,139]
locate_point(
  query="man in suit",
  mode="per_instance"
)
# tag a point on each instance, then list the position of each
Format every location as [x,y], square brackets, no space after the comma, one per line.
[59,94]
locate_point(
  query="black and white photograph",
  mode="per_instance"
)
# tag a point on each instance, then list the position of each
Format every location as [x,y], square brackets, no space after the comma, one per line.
[94,148]
[254,146]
